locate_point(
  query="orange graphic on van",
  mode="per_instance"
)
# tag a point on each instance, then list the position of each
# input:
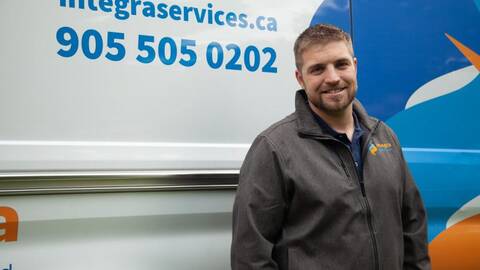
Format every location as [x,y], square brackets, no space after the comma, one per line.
[10,226]
[471,55]
[457,247]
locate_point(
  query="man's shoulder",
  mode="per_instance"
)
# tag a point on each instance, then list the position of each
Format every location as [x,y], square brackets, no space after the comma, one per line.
[282,129]
[386,132]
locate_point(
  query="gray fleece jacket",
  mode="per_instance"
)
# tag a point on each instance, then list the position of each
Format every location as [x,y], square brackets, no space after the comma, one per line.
[301,204]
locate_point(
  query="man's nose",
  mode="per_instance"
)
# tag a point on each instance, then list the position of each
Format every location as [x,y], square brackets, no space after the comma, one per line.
[331,75]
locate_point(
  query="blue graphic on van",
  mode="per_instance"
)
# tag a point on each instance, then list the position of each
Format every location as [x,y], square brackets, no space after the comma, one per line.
[336,12]
[396,58]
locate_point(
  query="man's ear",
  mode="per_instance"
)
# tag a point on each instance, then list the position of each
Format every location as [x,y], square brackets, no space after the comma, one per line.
[355,61]
[299,77]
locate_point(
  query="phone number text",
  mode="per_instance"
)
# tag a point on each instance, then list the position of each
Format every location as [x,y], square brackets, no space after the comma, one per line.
[169,51]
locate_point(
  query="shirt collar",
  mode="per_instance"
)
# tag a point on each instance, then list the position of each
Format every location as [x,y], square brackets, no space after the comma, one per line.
[308,126]
[357,132]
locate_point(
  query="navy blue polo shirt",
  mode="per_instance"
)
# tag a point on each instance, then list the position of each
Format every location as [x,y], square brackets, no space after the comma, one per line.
[355,145]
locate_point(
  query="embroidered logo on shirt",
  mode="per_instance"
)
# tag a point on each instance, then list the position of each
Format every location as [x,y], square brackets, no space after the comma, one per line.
[379,148]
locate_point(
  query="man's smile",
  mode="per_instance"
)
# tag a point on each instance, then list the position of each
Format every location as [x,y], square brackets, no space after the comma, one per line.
[334,90]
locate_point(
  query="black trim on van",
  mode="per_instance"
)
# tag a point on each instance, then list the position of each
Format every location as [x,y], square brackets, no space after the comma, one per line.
[43,183]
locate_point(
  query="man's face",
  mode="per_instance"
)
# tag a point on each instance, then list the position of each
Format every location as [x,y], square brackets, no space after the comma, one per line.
[329,77]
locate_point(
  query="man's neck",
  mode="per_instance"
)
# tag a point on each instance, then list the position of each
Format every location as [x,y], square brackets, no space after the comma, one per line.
[341,122]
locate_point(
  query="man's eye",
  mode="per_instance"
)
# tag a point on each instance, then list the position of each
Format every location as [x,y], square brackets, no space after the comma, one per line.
[317,70]
[343,64]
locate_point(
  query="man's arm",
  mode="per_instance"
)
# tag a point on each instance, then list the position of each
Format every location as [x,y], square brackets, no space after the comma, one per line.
[414,222]
[259,208]
[414,227]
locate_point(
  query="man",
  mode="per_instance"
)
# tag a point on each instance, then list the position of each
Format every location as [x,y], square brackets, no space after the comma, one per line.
[327,187]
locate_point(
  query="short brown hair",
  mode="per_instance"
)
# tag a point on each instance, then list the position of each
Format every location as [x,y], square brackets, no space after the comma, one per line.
[319,34]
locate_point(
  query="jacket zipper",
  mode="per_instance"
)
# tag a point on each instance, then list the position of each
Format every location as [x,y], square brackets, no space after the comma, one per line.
[368,209]
[362,189]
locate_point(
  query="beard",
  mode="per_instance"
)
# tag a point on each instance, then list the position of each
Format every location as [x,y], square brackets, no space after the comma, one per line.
[334,104]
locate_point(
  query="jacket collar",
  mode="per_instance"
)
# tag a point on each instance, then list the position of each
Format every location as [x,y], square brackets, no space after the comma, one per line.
[306,123]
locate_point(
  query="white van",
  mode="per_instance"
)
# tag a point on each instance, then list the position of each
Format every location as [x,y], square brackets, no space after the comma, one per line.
[123,123]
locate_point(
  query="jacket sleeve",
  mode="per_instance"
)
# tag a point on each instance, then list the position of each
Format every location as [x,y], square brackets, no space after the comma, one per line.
[259,209]
[414,222]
